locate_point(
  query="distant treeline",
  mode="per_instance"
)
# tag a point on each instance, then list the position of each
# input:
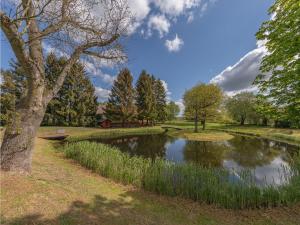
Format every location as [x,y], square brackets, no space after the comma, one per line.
[76,102]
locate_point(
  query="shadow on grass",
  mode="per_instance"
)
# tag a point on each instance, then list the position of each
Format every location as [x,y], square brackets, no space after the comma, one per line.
[99,211]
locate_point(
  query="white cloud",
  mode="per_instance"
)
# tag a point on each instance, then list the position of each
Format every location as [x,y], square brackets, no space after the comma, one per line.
[168,92]
[159,23]
[166,13]
[241,75]
[176,7]
[174,45]
[203,8]
[102,94]
[190,17]
[139,8]
[95,70]
[181,106]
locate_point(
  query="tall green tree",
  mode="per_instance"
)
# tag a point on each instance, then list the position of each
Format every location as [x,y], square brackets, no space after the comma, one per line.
[172,110]
[12,90]
[202,102]
[120,104]
[241,106]
[74,105]
[160,96]
[145,99]
[280,78]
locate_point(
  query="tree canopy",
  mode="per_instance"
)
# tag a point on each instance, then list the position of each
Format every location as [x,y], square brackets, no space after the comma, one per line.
[172,110]
[241,106]
[202,102]
[280,78]
[74,105]
[145,98]
[120,104]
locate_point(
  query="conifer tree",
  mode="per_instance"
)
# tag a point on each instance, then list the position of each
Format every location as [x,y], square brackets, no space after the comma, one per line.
[74,105]
[145,100]
[160,101]
[120,104]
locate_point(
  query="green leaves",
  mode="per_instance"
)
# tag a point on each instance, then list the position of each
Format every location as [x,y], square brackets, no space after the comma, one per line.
[120,104]
[281,66]
[202,102]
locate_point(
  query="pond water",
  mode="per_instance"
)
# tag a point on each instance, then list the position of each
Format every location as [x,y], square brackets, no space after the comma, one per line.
[268,161]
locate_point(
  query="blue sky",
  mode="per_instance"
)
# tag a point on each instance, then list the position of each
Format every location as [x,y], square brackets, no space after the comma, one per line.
[184,42]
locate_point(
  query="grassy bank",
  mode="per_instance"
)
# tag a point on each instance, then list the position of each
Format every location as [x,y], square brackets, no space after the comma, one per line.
[111,133]
[286,135]
[185,180]
[280,134]
[207,135]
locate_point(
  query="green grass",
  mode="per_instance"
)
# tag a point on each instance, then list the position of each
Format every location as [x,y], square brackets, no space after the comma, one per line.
[110,133]
[291,136]
[185,180]
[206,135]
[286,135]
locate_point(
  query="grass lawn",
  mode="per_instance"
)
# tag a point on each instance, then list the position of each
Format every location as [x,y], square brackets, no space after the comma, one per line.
[207,135]
[281,134]
[59,191]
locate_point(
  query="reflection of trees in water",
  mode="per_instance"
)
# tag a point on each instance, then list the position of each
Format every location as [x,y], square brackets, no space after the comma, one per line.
[252,152]
[208,154]
[149,146]
[245,151]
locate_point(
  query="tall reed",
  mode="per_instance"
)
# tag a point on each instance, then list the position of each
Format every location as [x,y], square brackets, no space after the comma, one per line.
[187,180]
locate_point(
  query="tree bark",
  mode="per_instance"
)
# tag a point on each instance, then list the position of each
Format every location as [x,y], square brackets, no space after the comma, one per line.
[196,123]
[265,122]
[18,140]
[203,124]
[242,121]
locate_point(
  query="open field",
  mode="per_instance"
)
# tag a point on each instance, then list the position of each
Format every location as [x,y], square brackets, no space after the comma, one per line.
[59,191]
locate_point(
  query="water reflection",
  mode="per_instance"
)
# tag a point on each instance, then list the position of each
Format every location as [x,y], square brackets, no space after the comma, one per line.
[268,161]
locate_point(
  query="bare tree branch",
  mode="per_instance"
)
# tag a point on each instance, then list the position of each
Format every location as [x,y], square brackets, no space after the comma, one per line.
[104,56]
[16,42]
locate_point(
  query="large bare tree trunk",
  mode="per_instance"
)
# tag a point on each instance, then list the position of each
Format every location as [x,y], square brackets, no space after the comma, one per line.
[18,141]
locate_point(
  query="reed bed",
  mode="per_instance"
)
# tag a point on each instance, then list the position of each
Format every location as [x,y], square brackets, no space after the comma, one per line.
[187,180]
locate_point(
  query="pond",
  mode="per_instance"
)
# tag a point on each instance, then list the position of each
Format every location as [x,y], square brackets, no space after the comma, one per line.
[268,161]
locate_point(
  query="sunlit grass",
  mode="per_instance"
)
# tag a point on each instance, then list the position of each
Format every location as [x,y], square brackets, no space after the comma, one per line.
[207,135]
[191,181]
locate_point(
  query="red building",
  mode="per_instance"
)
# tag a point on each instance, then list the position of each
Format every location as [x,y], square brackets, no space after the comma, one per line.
[106,123]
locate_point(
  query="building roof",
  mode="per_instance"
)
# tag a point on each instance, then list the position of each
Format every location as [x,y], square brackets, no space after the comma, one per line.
[101,109]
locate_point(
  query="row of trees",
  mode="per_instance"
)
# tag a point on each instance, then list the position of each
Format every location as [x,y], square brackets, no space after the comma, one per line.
[205,102]
[74,105]
[146,102]
[259,110]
